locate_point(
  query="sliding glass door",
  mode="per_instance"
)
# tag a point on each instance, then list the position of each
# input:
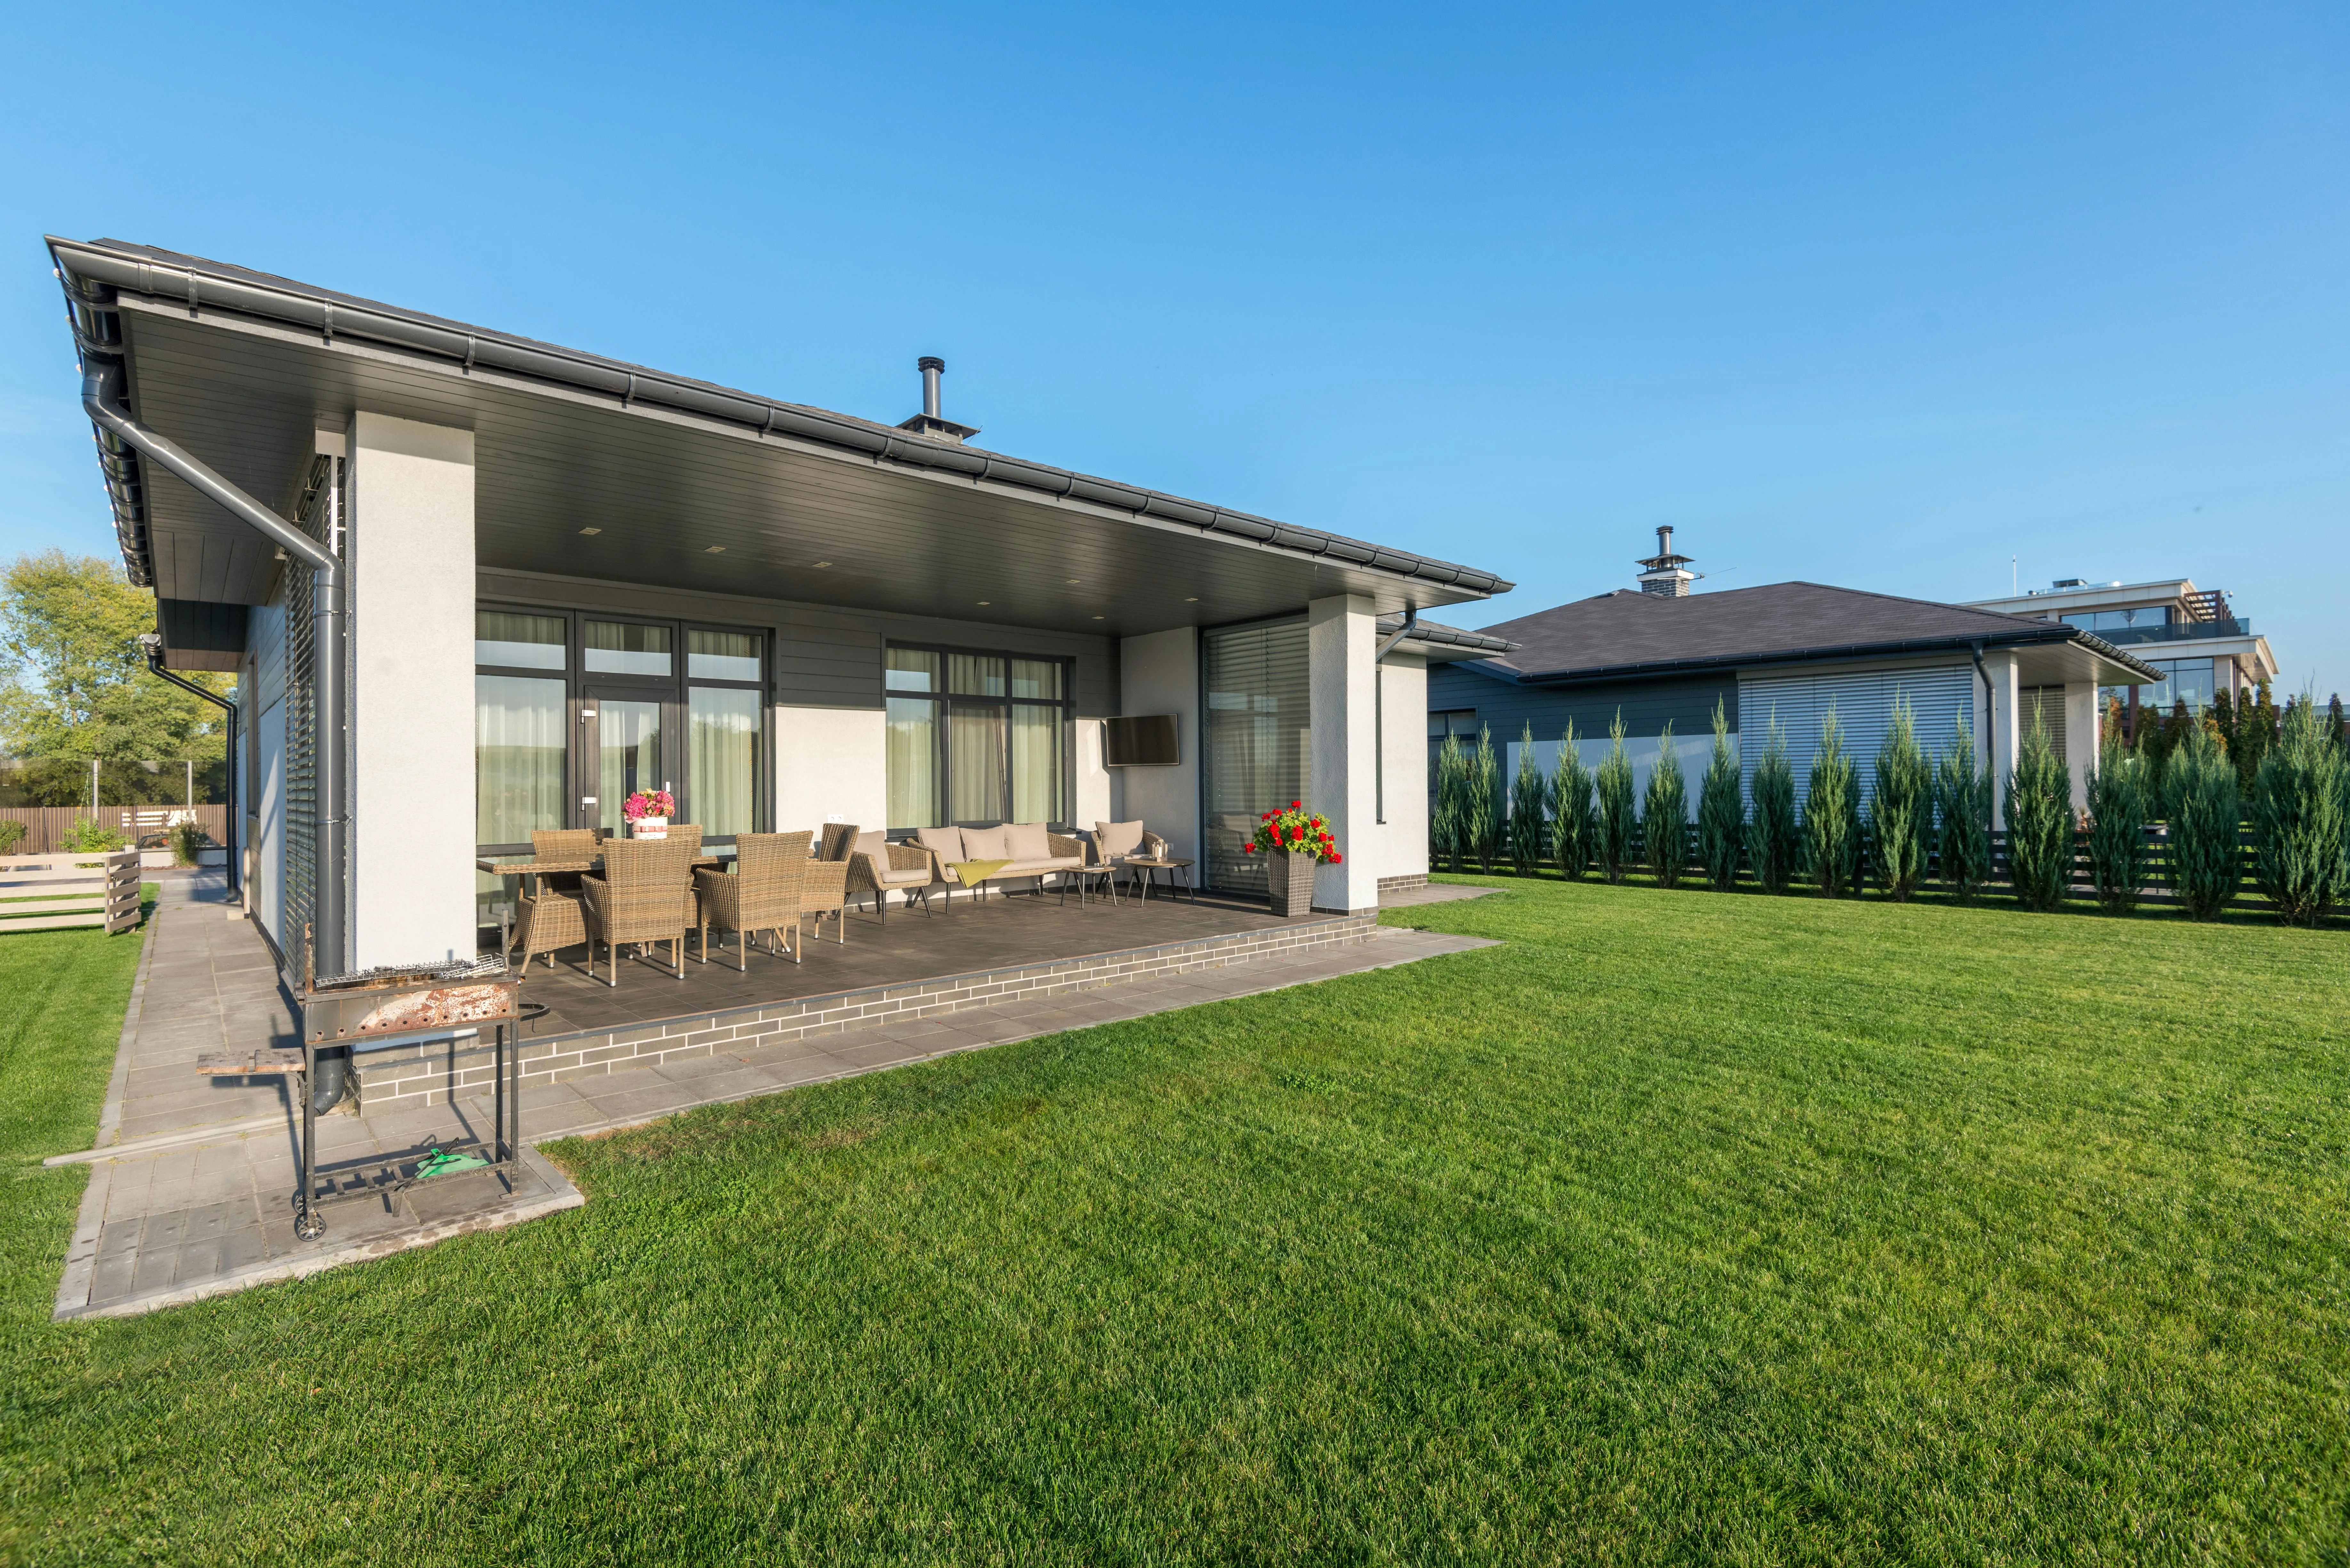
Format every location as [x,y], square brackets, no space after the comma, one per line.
[624,736]
[1257,752]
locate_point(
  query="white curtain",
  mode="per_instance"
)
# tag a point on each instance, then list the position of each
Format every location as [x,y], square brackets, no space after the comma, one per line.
[519,737]
[722,741]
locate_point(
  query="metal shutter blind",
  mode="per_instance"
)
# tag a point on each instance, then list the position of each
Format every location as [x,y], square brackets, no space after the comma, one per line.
[1258,751]
[2051,702]
[1863,704]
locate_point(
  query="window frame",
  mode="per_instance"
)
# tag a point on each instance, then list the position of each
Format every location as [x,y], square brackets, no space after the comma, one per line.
[674,691]
[942,700]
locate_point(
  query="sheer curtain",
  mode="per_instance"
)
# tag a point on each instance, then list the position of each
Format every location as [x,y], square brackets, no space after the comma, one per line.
[1036,765]
[976,762]
[519,737]
[628,748]
[722,759]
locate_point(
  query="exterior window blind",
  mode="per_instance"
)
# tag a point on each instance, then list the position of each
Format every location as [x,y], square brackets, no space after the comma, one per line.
[1257,751]
[1940,696]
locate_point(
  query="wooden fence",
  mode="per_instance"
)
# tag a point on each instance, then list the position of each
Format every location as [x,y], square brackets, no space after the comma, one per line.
[46,826]
[43,892]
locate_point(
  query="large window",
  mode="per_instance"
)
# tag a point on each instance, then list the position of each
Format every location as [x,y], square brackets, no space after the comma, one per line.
[976,738]
[573,712]
[2190,681]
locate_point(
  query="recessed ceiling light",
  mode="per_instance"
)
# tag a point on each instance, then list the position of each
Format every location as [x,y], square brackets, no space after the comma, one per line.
[1101,617]
[984,603]
[591,531]
[1071,581]
[820,566]
[1191,601]
[713,549]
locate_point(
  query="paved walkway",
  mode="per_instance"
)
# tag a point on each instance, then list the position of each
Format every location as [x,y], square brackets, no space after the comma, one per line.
[191,1188]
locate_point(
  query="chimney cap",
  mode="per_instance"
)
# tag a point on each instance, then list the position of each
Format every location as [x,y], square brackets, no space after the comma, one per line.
[929,362]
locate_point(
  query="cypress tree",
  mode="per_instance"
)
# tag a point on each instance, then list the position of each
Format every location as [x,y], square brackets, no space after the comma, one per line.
[1962,804]
[2039,801]
[1613,843]
[1832,814]
[1481,816]
[1720,814]
[1772,835]
[2118,808]
[1901,812]
[1664,822]
[1529,809]
[2206,860]
[1572,828]
[1445,825]
[2298,847]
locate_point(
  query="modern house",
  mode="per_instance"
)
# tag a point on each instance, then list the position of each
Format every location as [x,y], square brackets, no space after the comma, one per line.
[1784,654]
[474,585]
[2192,636]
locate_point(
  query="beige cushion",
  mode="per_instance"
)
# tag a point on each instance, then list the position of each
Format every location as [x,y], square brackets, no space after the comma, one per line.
[876,844]
[985,844]
[946,841]
[1040,867]
[1028,841]
[1112,839]
[900,875]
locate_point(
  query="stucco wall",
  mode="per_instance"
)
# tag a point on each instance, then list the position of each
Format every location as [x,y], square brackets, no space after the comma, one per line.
[1341,636]
[411,600]
[1160,673]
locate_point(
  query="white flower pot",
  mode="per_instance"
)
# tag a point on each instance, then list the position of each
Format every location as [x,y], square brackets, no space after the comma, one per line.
[649,827]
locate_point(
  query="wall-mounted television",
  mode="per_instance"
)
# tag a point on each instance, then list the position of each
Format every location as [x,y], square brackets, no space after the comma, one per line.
[1147,742]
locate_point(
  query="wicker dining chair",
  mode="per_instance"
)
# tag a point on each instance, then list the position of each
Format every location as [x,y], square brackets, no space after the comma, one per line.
[645,894]
[546,921]
[824,885]
[763,894]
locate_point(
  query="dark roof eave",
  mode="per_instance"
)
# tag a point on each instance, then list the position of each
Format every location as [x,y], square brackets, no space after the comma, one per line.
[1653,668]
[214,286]
[1434,635]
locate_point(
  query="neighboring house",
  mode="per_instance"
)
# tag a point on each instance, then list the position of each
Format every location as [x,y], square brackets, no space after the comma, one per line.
[562,577]
[2192,636]
[1786,654]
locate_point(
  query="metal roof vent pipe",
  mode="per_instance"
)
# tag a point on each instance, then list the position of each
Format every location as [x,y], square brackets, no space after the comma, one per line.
[1666,574]
[930,424]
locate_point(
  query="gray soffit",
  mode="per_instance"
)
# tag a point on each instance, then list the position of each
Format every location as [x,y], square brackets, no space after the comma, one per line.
[1626,634]
[240,367]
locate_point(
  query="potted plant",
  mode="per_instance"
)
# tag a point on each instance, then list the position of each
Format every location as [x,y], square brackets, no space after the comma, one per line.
[647,813]
[1295,844]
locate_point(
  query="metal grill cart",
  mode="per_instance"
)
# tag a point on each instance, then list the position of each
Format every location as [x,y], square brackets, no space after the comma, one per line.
[381,1008]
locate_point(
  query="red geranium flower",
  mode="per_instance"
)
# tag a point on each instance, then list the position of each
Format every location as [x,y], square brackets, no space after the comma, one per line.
[1248,848]
[1293,805]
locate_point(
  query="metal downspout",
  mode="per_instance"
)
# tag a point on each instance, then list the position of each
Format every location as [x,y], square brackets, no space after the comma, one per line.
[154,645]
[101,391]
[1991,708]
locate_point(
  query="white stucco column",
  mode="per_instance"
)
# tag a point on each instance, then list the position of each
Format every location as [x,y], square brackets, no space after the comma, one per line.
[1341,637]
[1403,766]
[2003,734]
[1160,673]
[410,549]
[2081,726]
[832,764]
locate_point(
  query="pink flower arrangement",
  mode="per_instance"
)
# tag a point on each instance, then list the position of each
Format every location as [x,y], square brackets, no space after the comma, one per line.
[648,802]
[1297,831]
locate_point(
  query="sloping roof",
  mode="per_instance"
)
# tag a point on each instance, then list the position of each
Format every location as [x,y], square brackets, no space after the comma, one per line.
[92,270]
[1630,633]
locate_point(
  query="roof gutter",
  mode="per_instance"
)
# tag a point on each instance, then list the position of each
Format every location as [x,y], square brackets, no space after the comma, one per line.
[81,265]
[1663,666]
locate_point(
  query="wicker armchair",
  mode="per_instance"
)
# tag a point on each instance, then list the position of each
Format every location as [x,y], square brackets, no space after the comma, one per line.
[546,921]
[645,894]
[763,894]
[885,868]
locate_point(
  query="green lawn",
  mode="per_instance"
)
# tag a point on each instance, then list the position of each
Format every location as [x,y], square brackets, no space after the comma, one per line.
[1682,1227]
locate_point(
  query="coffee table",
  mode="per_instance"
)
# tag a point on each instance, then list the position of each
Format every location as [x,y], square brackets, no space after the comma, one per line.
[1099,880]
[1171,865]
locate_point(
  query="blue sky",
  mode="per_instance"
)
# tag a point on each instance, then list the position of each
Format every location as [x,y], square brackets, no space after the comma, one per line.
[1879,297]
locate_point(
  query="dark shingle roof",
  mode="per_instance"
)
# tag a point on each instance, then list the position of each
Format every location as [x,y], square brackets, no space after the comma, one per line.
[1626,632]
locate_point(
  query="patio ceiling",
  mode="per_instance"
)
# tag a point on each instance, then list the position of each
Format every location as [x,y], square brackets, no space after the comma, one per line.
[682,500]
